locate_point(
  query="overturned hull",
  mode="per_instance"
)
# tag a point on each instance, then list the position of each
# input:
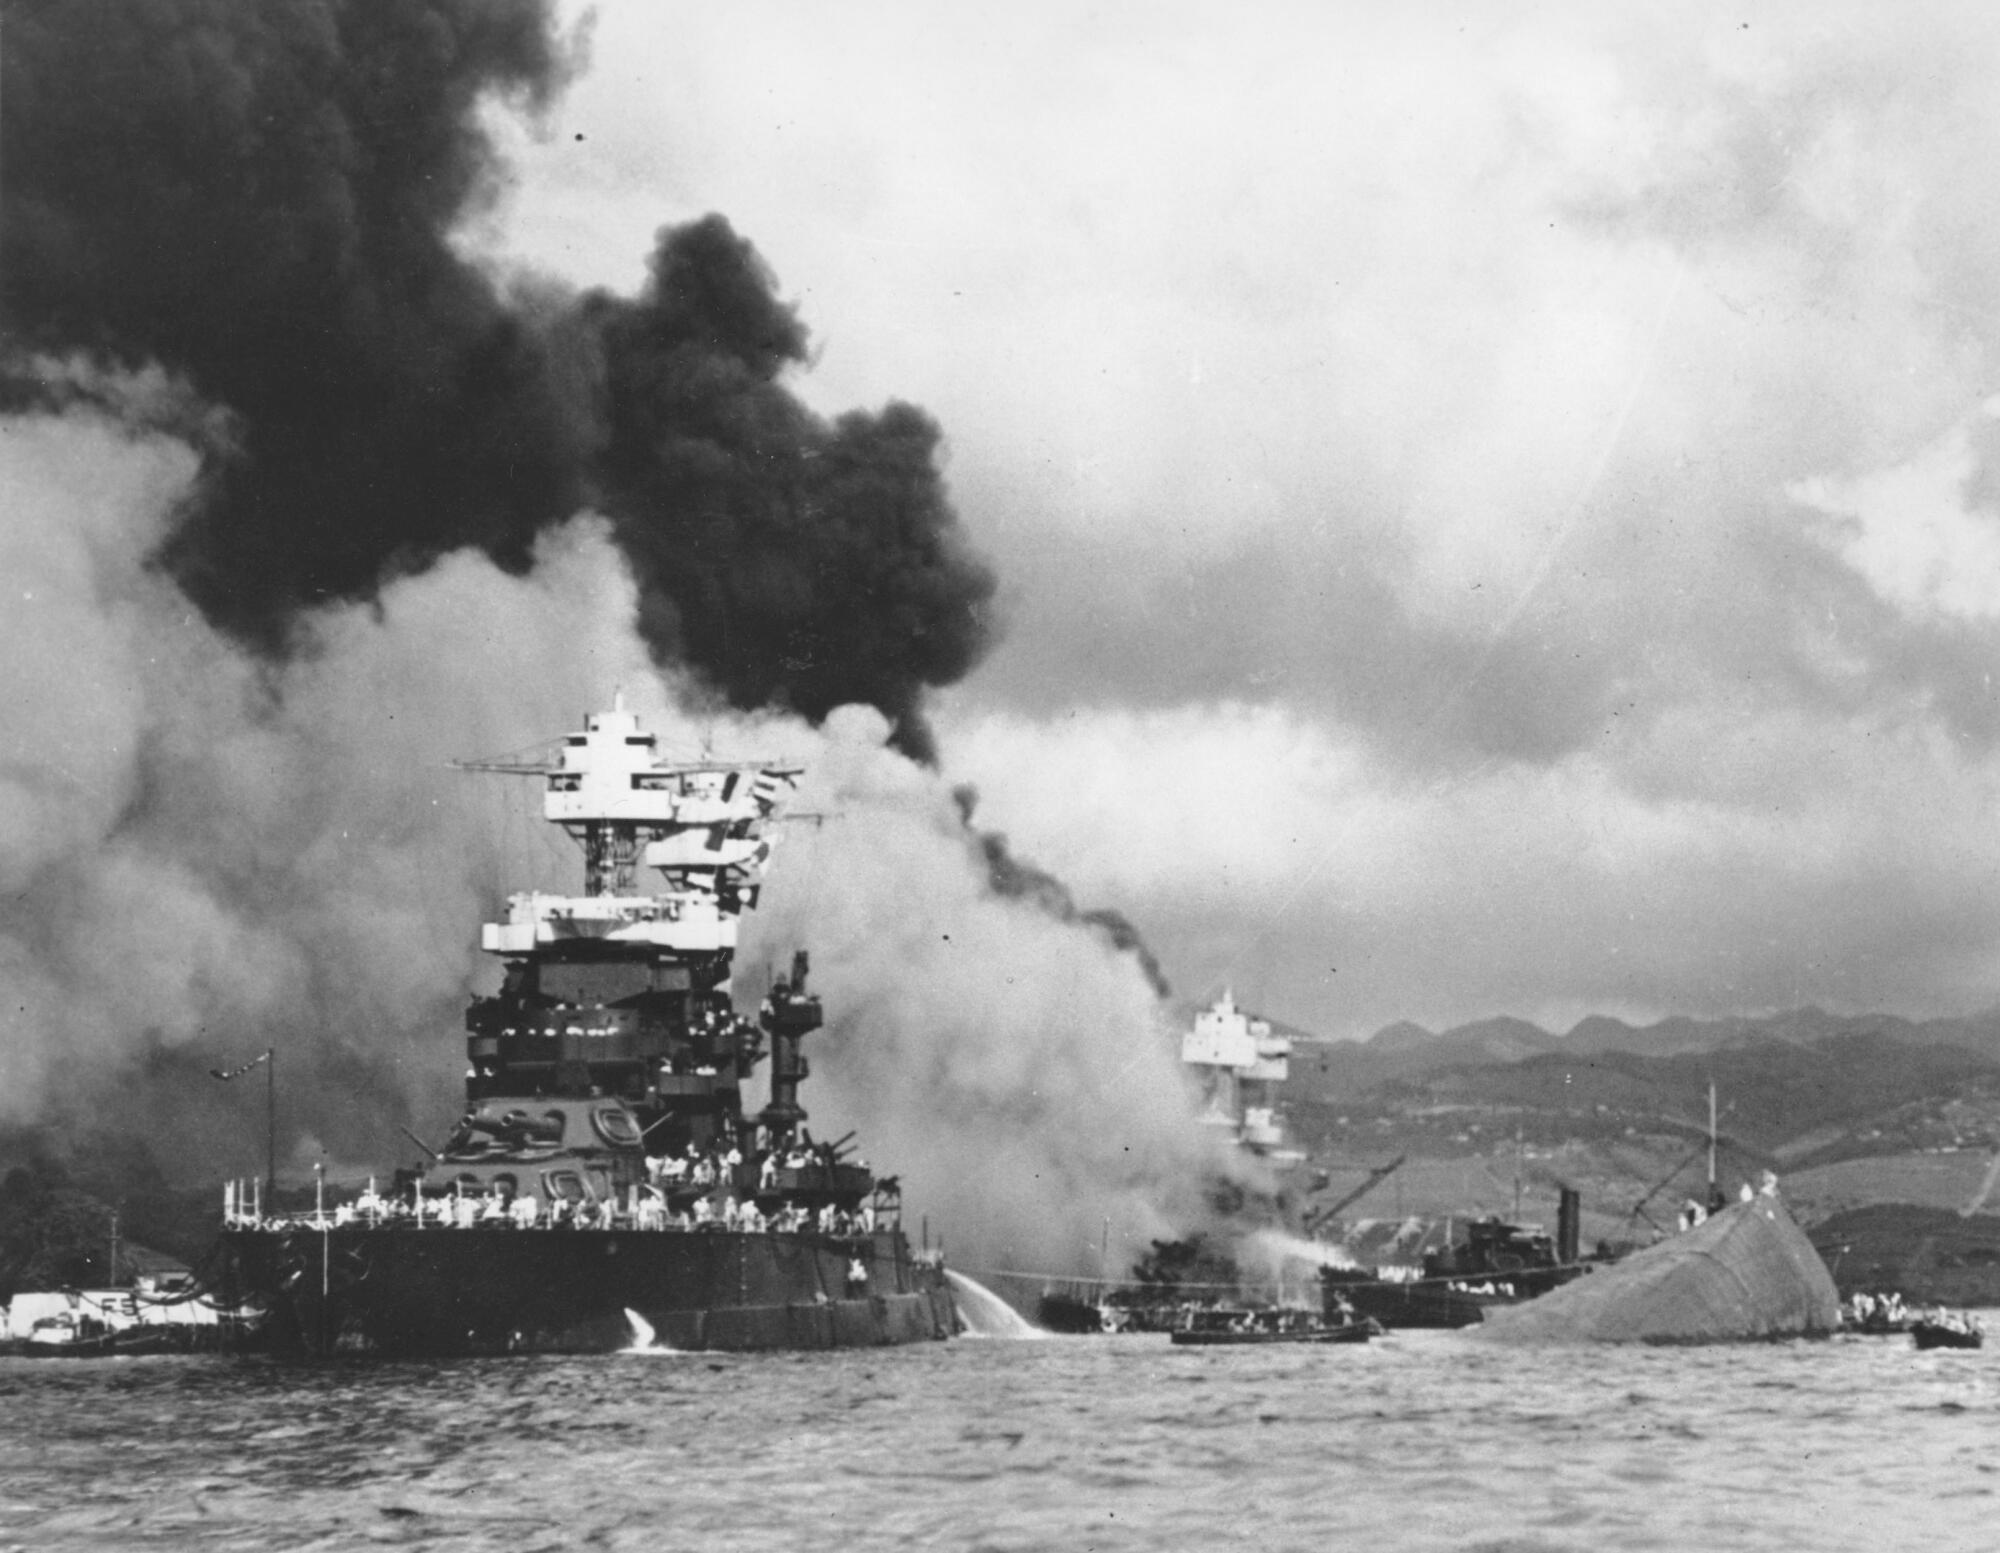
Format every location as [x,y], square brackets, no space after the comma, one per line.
[1747,1273]
[407,1292]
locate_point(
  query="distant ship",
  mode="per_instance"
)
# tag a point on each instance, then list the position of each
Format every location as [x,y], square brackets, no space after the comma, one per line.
[1497,1265]
[605,1187]
[1238,1063]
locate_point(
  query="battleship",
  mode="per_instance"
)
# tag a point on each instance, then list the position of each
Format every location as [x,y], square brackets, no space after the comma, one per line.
[605,1187]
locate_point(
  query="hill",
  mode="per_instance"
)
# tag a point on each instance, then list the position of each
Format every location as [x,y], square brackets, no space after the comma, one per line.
[1331,1070]
[1890,1118]
[1802,1088]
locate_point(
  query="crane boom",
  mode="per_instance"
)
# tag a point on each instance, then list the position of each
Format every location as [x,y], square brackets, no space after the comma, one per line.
[1376,1177]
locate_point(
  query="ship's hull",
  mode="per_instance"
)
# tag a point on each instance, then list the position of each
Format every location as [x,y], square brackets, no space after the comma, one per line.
[1439,1302]
[406,1292]
[1747,1273]
[1415,1304]
[1930,1334]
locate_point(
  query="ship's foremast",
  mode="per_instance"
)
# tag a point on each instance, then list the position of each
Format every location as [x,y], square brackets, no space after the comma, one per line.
[624,992]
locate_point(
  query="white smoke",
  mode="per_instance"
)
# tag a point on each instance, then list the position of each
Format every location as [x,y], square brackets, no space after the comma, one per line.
[204,853]
[1015,1070]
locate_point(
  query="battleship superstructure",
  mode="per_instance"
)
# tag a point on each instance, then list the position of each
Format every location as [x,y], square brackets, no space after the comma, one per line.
[605,1184]
[1240,1063]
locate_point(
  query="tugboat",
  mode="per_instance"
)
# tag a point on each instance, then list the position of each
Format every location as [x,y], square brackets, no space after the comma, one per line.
[605,1187]
[1497,1265]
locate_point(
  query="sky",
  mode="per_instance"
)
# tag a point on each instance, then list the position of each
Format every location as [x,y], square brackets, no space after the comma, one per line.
[1495,509]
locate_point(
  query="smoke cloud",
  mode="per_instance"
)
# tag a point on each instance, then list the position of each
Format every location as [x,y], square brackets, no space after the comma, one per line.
[293,521]
[1018,1072]
[1020,879]
[797,563]
[264,200]
[206,852]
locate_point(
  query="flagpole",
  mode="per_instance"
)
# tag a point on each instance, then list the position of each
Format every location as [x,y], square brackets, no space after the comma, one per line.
[271,1124]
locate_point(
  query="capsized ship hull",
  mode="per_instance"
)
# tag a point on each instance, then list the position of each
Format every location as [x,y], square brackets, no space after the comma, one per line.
[443,1293]
[1748,1272]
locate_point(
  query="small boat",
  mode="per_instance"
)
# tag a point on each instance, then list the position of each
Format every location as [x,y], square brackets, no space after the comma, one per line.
[1947,1334]
[79,1335]
[1237,1327]
[68,1335]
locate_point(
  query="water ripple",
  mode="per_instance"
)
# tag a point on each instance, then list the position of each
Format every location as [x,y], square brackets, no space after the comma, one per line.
[1420,1442]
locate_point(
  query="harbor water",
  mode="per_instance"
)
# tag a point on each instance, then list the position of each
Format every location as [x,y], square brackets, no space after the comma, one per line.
[1418,1441]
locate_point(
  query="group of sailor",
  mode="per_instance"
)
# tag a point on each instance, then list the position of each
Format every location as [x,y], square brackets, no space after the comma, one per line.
[717,1166]
[1865,1309]
[1694,1211]
[644,1207]
[1953,1320]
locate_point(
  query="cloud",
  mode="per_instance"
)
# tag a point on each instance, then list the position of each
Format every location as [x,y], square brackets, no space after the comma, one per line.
[1912,535]
[1550,441]
[1713,860]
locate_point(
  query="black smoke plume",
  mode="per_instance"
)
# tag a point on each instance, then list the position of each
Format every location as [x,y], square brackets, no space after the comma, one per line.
[1018,879]
[262,199]
[799,563]
[278,389]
